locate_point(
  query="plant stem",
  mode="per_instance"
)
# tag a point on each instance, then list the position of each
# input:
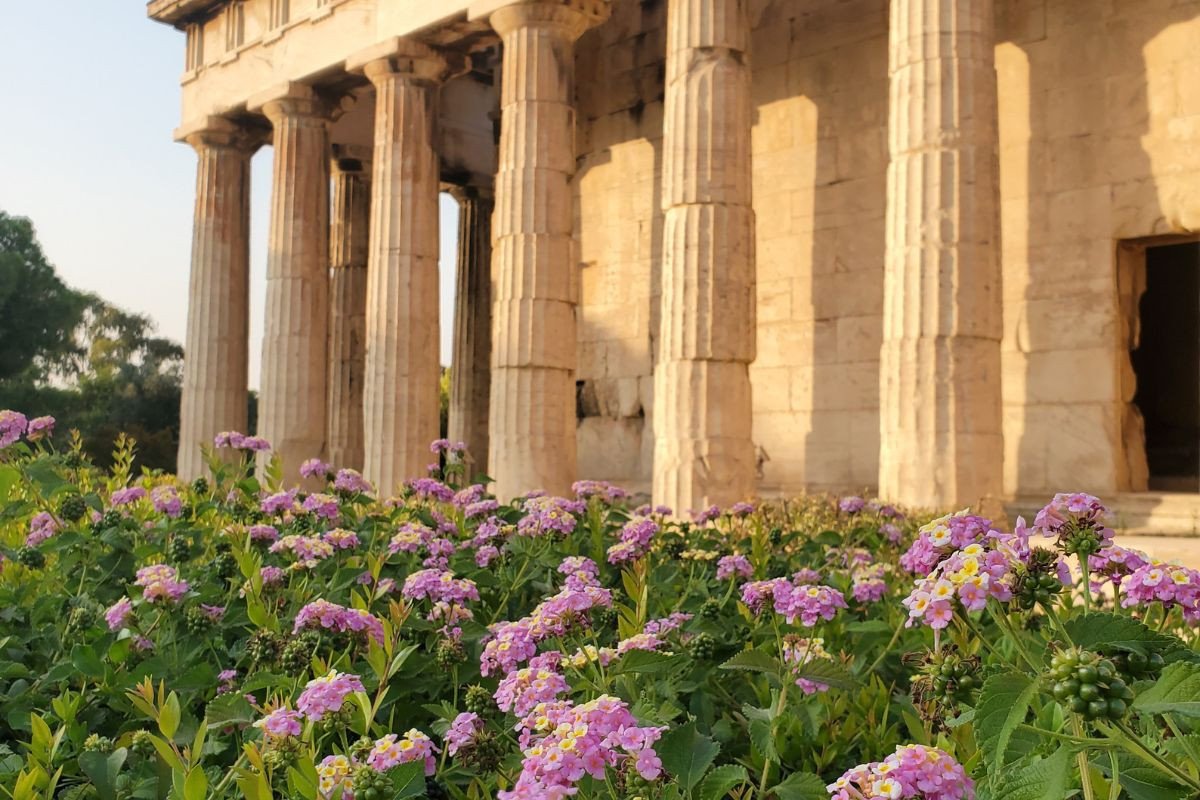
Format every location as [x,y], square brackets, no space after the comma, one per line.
[1114,788]
[1081,758]
[1134,744]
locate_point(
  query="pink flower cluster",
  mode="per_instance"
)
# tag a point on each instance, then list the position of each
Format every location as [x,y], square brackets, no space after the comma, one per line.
[1072,509]
[522,690]
[1114,563]
[392,751]
[315,468]
[161,582]
[734,567]
[563,742]
[807,602]
[511,644]
[322,505]
[307,550]
[166,501]
[240,441]
[331,616]
[41,528]
[350,481]
[13,425]
[341,539]
[431,489]
[869,585]
[411,537]
[852,504]
[797,652]
[1169,584]
[279,502]
[636,536]
[327,694]
[548,515]
[706,515]
[941,537]
[127,496]
[913,772]
[604,490]
[439,586]
[280,724]
[463,730]
[118,614]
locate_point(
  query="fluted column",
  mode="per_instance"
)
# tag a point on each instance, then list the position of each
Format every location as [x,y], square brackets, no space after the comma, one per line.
[401,408]
[940,362]
[348,248]
[531,422]
[216,352]
[702,412]
[470,364]
[292,399]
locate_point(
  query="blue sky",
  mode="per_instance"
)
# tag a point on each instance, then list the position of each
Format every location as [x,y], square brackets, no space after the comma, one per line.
[90,97]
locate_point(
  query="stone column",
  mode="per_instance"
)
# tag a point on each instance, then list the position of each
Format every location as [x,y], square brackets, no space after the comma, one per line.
[940,362]
[531,420]
[216,353]
[470,365]
[401,409]
[291,403]
[348,247]
[703,450]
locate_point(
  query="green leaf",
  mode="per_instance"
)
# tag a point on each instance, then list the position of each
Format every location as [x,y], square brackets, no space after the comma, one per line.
[755,661]
[686,754]
[9,476]
[824,671]
[1176,691]
[1143,782]
[1043,780]
[102,769]
[1186,746]
[867,626]
[169,715]
[408,780]
[720,782]
[801,786]
[1002,706]
[1107,632]
[645,662]
[195,786]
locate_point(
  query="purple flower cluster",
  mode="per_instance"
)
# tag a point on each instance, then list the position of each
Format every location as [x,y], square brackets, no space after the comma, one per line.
[852,504]
[118,614]
[511,644]
[240,441]
[439,586]
[307,550]
[548,515]
[332,617]
[161,582]
[604,490]
[1071,509]
[315,468]
[166,501]
[327,694]
[411,537]
[939,538]
[40,428]
[707,515]
[1114,563]
[463,731]
[279,502]
[349,481]
[281,723]
[1169,584]
[323,505]
[41,528]
[869,585]
[806,602]
[13,425]
[128,496]
[392,751]
[734,567]
[636,536]
[523,690]
[913,772]
[431,489]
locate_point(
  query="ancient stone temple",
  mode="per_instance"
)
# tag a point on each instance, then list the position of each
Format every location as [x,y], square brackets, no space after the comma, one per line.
[945,250]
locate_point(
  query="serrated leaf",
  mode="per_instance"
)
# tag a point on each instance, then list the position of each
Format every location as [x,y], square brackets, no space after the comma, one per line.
[1142,782]
[645,662]
[686,754]
[408,780]
[800,786]
[1003,704]
[755,661]
[1186,746]
[1177,691]
[762,736]
[826,672]
[229,709]
[1043,780]
[1107,632]
[721,781]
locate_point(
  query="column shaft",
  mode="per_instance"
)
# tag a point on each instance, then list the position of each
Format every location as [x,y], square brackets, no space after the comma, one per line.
[702,404]
[216,351]
[291,406]
[470,374]
[940,362]
[348,249]
[532,409]
[402,402]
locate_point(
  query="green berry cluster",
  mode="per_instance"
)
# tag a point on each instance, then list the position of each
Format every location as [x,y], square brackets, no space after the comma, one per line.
[31,557]
[702,647]
[297,655]
[371,785]
[196,621]
[264,647]
[1080,540]
[142,744]
[449,653]
[1037,582]
[478,700]
[1137,667]
[72,508]
[98,744]
[178,549]
[200,485]
[711,609]
[1089,685]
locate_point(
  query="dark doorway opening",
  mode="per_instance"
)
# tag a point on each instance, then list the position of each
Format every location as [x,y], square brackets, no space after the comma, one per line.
[1167,366]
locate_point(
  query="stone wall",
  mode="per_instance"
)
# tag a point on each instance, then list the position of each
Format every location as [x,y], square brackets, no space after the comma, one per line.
[1099,141]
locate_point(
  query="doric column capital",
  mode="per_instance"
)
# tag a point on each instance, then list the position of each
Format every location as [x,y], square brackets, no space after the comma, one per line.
[223,133]
[352,159]
[570,17]
[469,193]
[404,58]
[293,100]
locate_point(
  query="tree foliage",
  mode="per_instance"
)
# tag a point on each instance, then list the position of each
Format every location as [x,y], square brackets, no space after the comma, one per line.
[74,356]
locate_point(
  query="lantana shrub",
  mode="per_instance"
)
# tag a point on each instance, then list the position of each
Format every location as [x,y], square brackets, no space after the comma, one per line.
[303,636]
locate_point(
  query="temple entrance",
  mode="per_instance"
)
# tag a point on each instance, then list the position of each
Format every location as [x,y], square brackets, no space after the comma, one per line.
[1167,365]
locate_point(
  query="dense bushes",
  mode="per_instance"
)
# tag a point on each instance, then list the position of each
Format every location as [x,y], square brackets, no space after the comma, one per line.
[239,637]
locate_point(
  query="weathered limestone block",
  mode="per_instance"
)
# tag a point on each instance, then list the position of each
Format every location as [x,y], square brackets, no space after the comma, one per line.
[401,401]
[349,247]
[470,364]
[532,410]
[293,397]
[702,414]
[940,362]
[217,346]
